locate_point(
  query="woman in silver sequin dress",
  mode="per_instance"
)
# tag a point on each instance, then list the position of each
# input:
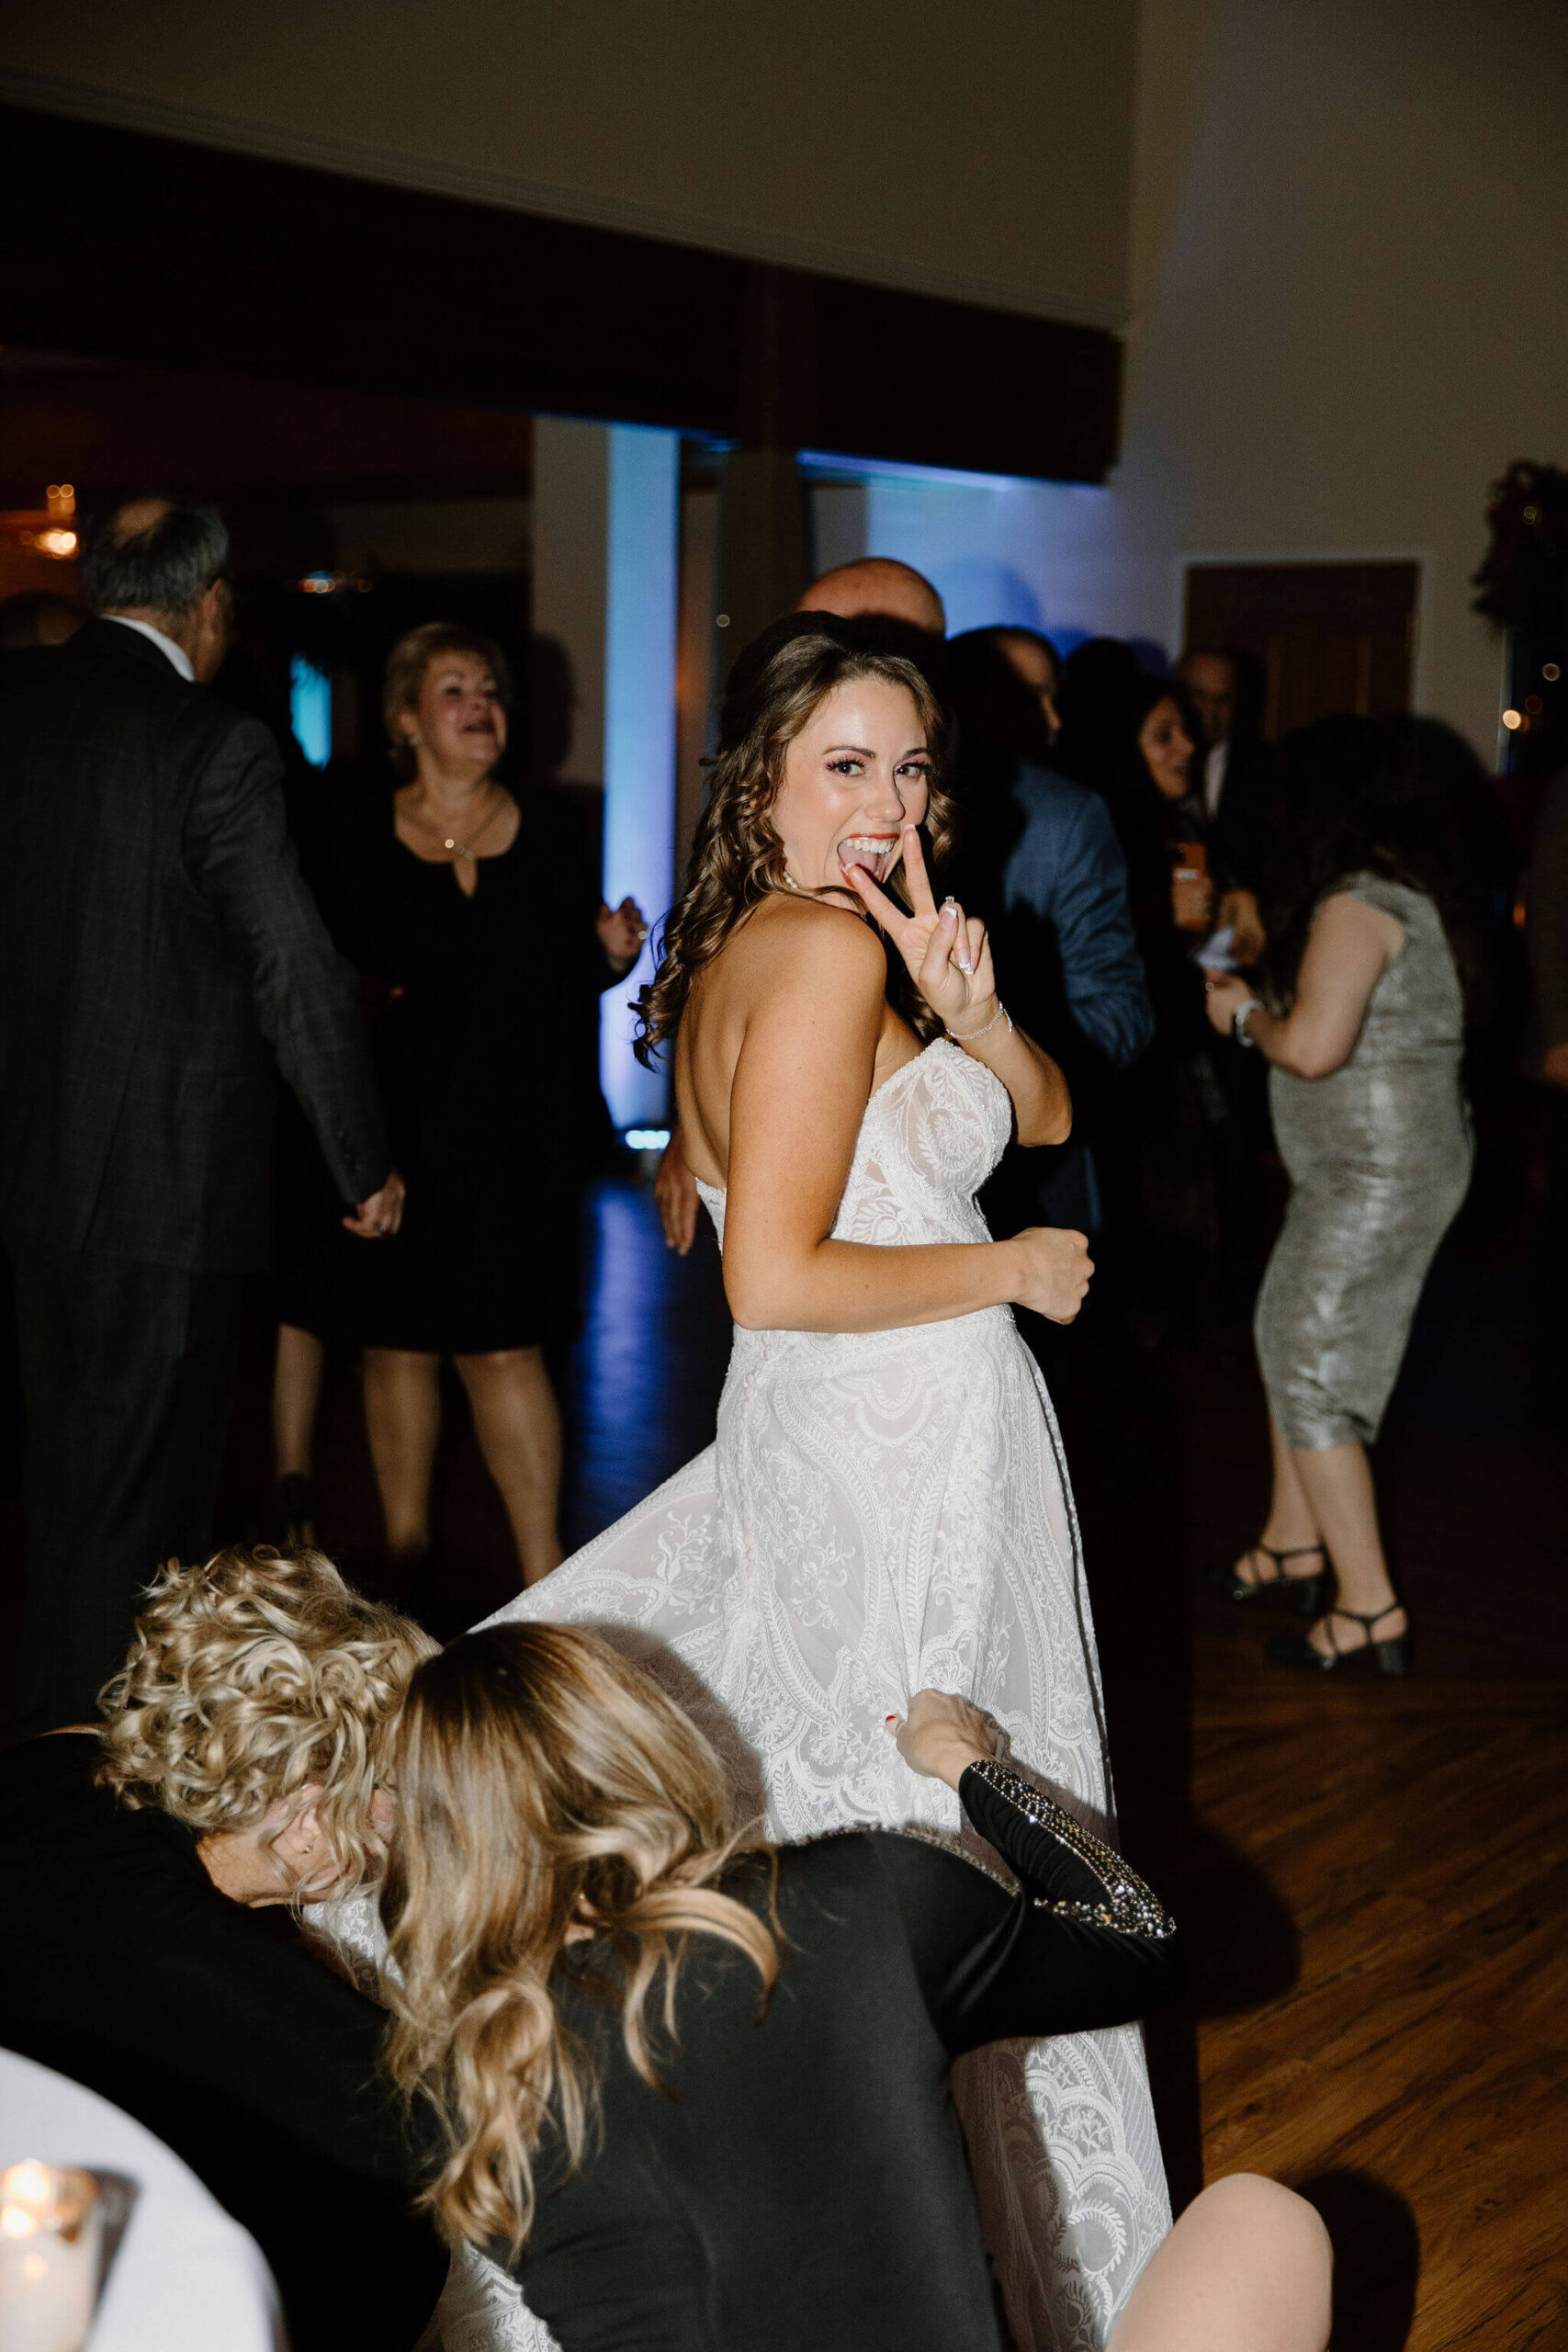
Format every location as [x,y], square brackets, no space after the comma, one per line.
[1365,1029]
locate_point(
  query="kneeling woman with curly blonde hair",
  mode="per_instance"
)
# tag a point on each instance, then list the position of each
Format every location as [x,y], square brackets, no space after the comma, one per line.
[240,1764]
[698,2086]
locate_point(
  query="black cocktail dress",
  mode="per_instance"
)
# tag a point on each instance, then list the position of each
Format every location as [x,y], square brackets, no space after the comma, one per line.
[487,1055]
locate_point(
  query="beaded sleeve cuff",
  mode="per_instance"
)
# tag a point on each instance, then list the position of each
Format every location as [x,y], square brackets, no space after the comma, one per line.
[1130,1906]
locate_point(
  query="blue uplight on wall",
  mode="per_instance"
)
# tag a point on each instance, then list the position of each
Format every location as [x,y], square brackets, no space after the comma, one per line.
[640,733]
[311,710]
[1000,549]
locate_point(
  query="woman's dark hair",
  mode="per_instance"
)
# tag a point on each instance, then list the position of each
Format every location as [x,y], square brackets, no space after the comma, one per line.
[166,567]
[737,858]
[1354,795]
[1101,671]
[1143,699]
[1103,711]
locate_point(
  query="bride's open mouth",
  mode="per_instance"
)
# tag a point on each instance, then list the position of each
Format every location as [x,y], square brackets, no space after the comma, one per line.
[877,853]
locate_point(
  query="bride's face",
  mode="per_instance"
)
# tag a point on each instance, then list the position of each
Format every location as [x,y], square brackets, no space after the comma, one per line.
[855,775]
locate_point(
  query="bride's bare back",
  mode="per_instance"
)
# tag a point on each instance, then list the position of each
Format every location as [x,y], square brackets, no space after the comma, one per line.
[760,963]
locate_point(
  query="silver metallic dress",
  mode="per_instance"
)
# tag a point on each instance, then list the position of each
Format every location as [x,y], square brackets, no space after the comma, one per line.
[1379,1157]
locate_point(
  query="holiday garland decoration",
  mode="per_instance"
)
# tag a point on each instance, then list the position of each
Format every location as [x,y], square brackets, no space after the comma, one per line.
[1523,579]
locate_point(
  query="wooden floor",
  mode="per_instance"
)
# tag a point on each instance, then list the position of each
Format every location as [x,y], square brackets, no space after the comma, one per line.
[1417,2062]
[1372,1882]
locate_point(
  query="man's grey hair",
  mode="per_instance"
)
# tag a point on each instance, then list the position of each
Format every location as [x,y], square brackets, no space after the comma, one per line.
[167,567]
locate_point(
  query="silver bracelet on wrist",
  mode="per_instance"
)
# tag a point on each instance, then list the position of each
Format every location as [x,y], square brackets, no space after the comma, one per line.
[1001,1014]
[1238,1020]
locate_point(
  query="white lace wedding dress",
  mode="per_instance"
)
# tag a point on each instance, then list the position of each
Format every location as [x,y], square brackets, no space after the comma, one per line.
[883,1512]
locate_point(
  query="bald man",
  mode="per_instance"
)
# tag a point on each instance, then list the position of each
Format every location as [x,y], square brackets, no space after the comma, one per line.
[884,589]
[160,958]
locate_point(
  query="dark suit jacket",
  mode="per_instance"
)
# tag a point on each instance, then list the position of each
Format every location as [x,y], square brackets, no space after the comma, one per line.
[159,953]
[1043,864]
[1241,822]
[1548,932]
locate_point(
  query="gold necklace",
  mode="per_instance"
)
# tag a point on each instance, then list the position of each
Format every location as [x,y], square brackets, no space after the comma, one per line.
[450,841]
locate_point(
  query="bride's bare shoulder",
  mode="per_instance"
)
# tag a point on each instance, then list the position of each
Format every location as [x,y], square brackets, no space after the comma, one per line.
[808,942]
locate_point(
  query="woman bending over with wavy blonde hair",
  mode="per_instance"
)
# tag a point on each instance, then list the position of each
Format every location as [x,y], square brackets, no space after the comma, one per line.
[696,2084]
[241,1763]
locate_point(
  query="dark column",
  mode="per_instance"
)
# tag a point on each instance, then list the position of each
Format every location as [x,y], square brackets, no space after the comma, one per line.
[765,551]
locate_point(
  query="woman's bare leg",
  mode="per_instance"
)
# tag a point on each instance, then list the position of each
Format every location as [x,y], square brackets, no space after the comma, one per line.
[517,1421]
[402,1417]
[1292,1524]
[1337,1480]
[296,1397]
[1247,2268]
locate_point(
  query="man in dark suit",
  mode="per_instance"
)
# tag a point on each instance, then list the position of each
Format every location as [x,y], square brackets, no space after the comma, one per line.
[1237,766]
[159,953]
[1237,783]
[1040,861]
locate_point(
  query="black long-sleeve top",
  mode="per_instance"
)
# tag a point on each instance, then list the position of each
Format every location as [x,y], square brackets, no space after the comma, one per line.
[122,1966]
[801,2179]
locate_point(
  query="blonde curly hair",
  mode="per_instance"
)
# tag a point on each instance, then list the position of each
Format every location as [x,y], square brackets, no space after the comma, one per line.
[252,1680]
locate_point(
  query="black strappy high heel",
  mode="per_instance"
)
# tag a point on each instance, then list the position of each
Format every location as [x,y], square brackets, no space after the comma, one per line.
[1308,1593]
[1389,1657]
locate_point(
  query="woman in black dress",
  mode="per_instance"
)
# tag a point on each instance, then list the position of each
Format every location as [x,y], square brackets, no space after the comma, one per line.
[699,2086]
[1180,1162]
[477,907]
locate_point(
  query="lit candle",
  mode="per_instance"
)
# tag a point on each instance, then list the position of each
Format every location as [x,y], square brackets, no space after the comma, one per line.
[51,2239]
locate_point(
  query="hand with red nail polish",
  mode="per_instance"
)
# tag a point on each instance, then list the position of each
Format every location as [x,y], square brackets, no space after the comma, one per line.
[942,1735]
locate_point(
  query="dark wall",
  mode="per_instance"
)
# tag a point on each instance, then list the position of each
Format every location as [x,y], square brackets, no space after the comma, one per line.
[146,248]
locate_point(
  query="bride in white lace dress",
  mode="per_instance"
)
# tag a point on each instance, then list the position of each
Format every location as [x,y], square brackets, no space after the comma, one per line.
[886,1506]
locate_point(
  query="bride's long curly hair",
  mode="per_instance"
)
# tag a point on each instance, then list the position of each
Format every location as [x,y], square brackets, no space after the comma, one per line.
[737,858]
[544,1784]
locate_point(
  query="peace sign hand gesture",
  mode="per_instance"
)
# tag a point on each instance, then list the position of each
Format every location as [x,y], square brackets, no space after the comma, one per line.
[946,952]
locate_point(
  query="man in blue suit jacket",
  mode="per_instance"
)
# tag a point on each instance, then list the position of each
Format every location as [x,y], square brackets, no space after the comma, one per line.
[1042,863]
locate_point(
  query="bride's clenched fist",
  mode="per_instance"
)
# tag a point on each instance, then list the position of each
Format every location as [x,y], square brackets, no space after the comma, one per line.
[1054,1268]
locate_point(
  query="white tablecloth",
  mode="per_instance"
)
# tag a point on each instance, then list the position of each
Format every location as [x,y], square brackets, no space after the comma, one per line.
[185,2278]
